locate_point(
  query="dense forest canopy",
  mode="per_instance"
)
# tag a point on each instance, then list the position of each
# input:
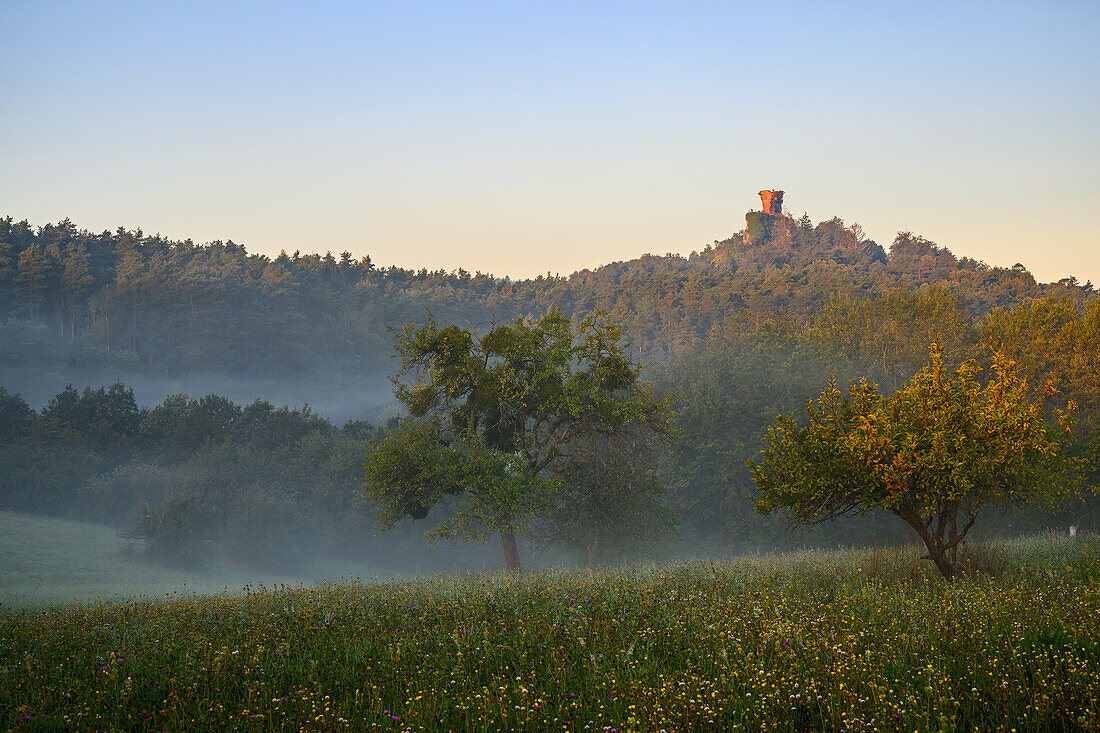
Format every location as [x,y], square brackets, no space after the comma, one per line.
[128,302]
[737,333]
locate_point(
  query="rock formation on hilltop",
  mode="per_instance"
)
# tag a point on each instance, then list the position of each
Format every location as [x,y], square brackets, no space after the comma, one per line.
[772,202]
[774,238]
[758,224]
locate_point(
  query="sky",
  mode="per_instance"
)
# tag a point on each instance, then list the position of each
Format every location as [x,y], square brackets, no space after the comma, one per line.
[525,138]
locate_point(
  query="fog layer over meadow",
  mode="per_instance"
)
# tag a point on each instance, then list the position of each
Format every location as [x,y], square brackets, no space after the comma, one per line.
[66,561]
[108,496]
[340,395]
[736,334]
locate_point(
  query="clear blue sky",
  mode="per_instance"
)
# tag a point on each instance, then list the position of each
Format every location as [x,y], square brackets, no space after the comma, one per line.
[521,138]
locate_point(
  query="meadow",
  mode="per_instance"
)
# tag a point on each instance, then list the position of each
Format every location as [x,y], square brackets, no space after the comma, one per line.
[59,562]
[851,640]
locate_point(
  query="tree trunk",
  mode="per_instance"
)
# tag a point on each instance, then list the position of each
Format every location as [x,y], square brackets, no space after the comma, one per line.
[943,562]
[511,553]
[942,558]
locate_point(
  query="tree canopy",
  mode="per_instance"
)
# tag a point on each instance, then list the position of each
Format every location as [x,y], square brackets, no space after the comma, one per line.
[490,412]
[934,453]
[129,302]
[741,330]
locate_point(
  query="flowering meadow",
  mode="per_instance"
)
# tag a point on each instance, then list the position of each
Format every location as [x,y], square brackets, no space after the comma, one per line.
[842,640]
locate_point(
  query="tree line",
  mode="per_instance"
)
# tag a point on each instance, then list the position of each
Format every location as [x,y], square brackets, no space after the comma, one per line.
[139,304]
[748,328]
[189,475]
[194,479]
[731,387]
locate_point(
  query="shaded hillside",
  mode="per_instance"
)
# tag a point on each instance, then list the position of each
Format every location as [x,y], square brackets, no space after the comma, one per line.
[125,302]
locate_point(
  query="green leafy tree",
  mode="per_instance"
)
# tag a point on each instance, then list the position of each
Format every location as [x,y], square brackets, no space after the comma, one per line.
[608,503]
[8,269]
[886,338]
[175,429]
[414,469]
[490,413]
[934,454]
[105,420]
[178,532]
[1055,338]
[16,417]
[131,279]
[76,277]
[35,271]
[730,388]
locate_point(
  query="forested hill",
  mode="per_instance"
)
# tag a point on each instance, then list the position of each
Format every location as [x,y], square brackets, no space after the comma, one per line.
[76,302]
[748,328]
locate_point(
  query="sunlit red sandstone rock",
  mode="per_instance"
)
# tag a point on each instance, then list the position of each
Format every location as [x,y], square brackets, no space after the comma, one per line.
[773,206]
[772,201]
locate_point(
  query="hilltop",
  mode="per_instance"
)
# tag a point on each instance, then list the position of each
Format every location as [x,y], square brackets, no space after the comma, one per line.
[748,327]
[74,303]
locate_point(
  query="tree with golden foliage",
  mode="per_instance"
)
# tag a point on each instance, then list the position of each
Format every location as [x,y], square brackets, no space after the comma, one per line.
[935,453]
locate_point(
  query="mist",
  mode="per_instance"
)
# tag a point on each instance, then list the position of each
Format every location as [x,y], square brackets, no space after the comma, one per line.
[340,395]
[63,562]
[110,496]
[239,480]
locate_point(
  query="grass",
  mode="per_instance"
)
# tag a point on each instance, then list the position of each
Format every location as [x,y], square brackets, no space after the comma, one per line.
[841,640]
[62,562]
